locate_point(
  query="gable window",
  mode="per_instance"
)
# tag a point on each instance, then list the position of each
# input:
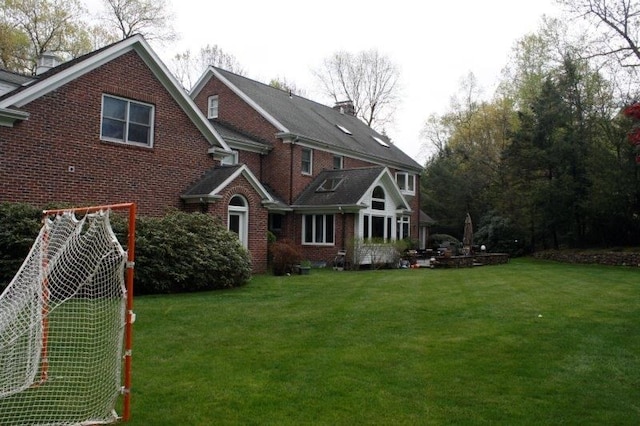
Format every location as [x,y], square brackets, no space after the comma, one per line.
[406,182]
[378,199]
[212,107]
[307,161]
[127,121]
[338,162]
[318,229]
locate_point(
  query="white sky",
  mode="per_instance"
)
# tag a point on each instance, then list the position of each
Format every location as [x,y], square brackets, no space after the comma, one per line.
[435,44]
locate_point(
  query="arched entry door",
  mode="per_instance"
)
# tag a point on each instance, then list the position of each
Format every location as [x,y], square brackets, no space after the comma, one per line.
[238,218]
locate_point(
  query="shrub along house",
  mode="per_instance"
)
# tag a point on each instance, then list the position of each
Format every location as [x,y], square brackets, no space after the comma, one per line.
[115,126]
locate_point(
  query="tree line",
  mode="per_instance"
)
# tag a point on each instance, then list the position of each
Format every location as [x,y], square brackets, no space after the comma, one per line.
[546,162]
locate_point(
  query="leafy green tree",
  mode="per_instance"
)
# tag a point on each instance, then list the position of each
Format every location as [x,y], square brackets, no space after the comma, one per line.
[55,26]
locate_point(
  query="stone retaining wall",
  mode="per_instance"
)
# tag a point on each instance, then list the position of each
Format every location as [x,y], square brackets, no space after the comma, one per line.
[476,260]
[600,258]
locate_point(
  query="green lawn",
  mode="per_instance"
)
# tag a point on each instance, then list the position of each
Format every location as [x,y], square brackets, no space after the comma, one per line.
[529,342]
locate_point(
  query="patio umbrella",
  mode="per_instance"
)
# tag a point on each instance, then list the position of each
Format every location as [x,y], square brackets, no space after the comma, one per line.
[467,238]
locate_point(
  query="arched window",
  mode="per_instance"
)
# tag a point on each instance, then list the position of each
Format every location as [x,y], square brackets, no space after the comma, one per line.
[378,198]
[238,218]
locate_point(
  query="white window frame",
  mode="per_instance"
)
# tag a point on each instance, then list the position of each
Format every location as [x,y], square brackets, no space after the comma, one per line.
[340,160]
[314,220]
[243,216]
[127,122]
[403,220]
[213,105]
[302,161]
[408,186]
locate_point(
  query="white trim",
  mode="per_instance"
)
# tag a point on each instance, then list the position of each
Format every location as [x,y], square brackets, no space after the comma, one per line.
[138,44]
[255,183]
[125,139]
[313,230]
[407,177]
[210,107]
[205,78]
[243,213]
[310,172]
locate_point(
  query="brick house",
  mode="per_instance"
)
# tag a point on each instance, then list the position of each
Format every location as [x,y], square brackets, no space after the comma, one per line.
[115,126]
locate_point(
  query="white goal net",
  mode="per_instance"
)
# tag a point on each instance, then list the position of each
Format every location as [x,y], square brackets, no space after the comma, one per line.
[62,324]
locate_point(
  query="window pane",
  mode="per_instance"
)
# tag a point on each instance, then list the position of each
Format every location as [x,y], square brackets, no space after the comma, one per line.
[234,223]
[113,129]
[139,113]
[114,108]
[378,192]
[365,233]
[411,182]
[388,228]
[400,180]
[377,205]
[329,231]
[138,133]
[319,229]
[308,229]
[377,227]
[237,201]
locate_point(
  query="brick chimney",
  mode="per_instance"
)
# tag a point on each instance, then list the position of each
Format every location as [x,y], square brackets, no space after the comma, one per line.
[345,107]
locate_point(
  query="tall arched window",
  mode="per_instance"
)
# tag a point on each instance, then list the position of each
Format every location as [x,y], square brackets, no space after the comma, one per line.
[238,218]
[377,198]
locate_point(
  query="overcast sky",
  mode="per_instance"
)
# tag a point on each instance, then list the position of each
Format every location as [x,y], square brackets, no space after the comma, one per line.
[435,44]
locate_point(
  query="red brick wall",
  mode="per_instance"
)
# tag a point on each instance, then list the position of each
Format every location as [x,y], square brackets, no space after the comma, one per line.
[63,133]
[257,217]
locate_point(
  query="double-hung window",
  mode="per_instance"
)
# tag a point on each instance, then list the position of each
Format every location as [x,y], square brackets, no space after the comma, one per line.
[212,107]
[406,182]
[318,229]
[124,120]
[307,161]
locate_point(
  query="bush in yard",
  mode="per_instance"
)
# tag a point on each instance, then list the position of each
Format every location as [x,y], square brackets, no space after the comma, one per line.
[283,256]
[186,252]
[19,227]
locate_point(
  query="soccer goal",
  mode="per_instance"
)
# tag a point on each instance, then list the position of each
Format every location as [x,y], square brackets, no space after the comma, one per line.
[66,321]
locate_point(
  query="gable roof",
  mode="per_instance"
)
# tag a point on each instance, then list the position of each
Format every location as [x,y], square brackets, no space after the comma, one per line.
[216,179]
[346,189]
[69,71]
[312,123]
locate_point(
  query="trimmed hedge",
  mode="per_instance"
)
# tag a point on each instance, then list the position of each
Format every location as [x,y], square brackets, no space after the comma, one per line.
[19,226]
[180,252]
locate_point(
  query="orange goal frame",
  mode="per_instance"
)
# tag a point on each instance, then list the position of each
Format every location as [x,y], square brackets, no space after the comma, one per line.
[129,317]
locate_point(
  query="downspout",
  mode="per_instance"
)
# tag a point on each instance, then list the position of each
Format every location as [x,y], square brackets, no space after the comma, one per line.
[291,174]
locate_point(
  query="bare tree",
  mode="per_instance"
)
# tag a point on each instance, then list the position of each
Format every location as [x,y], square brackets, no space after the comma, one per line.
[368,79]
[188,67]
[55,26]
[616,24]
[150,18]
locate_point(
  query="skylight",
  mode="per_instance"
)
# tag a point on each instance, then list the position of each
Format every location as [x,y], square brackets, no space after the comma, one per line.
[344,129]
[330,184]
[380,141]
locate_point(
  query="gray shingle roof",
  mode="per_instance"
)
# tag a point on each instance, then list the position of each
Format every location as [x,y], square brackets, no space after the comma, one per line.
[352,187]
[14,78]
[211,180]
[316,122]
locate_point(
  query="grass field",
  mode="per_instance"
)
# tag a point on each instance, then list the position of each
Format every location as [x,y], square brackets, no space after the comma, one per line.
[529,342]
